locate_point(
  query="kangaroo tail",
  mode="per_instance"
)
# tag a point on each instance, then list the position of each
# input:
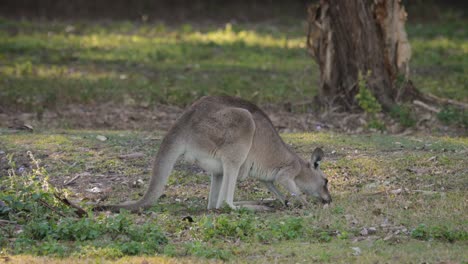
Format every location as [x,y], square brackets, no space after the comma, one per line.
[170,150]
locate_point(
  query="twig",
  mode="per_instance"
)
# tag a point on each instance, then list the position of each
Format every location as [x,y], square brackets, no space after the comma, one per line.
[79,211]
[51,207]
[448,101]
[302,103]
[425,106]
[72,180]
[6,222]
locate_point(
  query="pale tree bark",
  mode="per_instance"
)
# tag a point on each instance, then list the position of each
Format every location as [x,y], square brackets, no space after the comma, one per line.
[366,36]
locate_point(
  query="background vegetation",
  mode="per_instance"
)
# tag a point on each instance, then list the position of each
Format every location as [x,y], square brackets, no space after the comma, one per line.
[47,64]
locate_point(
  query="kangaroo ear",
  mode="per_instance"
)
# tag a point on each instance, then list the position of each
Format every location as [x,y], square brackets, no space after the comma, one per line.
[316,157]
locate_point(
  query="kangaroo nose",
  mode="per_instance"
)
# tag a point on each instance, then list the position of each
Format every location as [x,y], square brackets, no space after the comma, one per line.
[327,201]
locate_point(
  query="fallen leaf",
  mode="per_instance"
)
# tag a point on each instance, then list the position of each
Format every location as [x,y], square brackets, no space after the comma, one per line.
[364,232]
[356,251]
[101,137]
[95,190]
[389,236]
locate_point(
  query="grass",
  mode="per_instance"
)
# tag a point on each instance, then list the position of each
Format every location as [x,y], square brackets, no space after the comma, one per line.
[51,64]
[149,62]
[377,181]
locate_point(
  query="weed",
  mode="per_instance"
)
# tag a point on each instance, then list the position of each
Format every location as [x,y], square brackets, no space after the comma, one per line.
[324,236]
[368,102]
[365,98]
[402,113]
[338,210]
[51,248]
[77,230]
[29,196]
[32,203]
[343,235]
[452,115]
[289,228]
[227,226]
[89,251]
[200,249]
[375,123]
[443,233]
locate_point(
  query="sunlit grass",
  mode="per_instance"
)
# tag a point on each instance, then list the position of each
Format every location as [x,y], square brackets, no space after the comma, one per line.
[48,64]
[97,259]
[249,37]
[375,142]
[51,63]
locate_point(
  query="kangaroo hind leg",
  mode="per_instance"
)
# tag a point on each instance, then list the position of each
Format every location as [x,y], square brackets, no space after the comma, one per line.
[216,180]
[239,133]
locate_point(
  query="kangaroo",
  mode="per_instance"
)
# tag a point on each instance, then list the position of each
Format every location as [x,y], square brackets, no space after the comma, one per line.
[232,139]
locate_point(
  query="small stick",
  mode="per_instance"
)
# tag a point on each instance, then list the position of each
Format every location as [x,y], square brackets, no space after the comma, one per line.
[79,211]
[6,222]
[72,180]
[50,207]
[425,106]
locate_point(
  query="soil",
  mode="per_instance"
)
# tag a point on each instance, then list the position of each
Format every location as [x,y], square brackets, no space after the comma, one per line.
[161,117]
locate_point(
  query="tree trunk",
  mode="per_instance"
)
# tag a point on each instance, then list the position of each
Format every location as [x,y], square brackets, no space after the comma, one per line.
[360,36]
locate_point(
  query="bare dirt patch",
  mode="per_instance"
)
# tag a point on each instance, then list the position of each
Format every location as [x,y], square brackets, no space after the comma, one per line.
[161,117]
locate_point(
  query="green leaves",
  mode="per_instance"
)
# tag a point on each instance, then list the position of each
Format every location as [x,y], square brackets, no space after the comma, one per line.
[46,222]
[442,233]
[365,98]
[369,103]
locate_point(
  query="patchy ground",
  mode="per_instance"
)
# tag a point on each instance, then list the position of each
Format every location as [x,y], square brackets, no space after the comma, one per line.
[396,198]
[286,118]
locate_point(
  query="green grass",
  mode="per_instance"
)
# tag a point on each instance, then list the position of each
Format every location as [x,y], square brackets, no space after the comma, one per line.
[45,65]
[51,64]
[411,190]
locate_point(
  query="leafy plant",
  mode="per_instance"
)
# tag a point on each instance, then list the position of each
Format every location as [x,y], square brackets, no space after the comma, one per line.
[324,236]
[365,98]
[402,113]
[47,223]
[227,226]
[200,249]
[368,102]
[289,228]
[89,251]
[29,195]
[452,115]
[443,233]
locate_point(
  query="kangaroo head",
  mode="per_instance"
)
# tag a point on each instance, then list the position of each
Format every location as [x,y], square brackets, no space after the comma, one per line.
[312,181]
